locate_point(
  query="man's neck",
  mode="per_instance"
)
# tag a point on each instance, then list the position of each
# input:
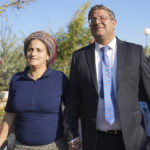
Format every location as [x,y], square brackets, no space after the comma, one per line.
[104,40]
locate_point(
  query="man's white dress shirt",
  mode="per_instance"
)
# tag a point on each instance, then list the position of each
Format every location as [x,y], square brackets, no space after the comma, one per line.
[101,123]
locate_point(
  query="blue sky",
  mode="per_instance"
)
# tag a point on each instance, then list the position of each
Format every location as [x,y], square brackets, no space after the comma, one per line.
[132,17]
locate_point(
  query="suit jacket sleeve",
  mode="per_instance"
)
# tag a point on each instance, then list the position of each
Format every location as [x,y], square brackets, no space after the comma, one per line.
[71,113]
[145,79]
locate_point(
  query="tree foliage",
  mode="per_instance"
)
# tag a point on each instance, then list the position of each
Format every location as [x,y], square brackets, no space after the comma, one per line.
[17,4]
[76,36]
[11,56]
[147,51]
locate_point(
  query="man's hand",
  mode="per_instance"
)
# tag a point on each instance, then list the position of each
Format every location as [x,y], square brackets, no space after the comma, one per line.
[75,144]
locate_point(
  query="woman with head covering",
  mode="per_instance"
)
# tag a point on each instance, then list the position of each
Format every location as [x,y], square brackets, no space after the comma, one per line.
[35,98]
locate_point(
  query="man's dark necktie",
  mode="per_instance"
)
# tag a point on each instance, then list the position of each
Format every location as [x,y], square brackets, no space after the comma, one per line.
[107,89]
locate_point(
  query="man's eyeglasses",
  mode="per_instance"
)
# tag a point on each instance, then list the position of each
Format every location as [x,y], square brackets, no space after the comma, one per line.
[101,18]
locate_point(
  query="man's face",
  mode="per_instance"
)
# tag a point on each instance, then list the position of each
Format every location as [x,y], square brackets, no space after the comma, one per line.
[101,24]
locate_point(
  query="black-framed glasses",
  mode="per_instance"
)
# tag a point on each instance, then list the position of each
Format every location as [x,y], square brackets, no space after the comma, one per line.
[100,19]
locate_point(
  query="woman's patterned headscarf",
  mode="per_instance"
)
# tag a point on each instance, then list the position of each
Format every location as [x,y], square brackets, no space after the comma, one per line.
[48,41]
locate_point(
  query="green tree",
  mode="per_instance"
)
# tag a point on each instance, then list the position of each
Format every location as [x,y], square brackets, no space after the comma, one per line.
[76,36]
[147,52]
[12,57]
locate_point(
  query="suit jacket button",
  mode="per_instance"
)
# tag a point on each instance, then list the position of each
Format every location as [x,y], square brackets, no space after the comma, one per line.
[94,119]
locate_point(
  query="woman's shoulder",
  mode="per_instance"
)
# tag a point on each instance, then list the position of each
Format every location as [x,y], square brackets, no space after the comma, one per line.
[18,75]
[58,73]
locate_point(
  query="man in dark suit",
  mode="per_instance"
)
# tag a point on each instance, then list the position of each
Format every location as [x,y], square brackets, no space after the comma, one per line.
[107,70]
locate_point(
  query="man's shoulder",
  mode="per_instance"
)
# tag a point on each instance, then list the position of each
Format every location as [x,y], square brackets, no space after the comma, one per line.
[129,43]
[133,44]
[84,49]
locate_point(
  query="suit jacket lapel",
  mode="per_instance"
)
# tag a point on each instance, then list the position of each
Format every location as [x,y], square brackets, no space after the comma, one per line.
[121,61]
[90,54]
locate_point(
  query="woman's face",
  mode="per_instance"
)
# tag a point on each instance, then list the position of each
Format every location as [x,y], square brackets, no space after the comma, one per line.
[37,55]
